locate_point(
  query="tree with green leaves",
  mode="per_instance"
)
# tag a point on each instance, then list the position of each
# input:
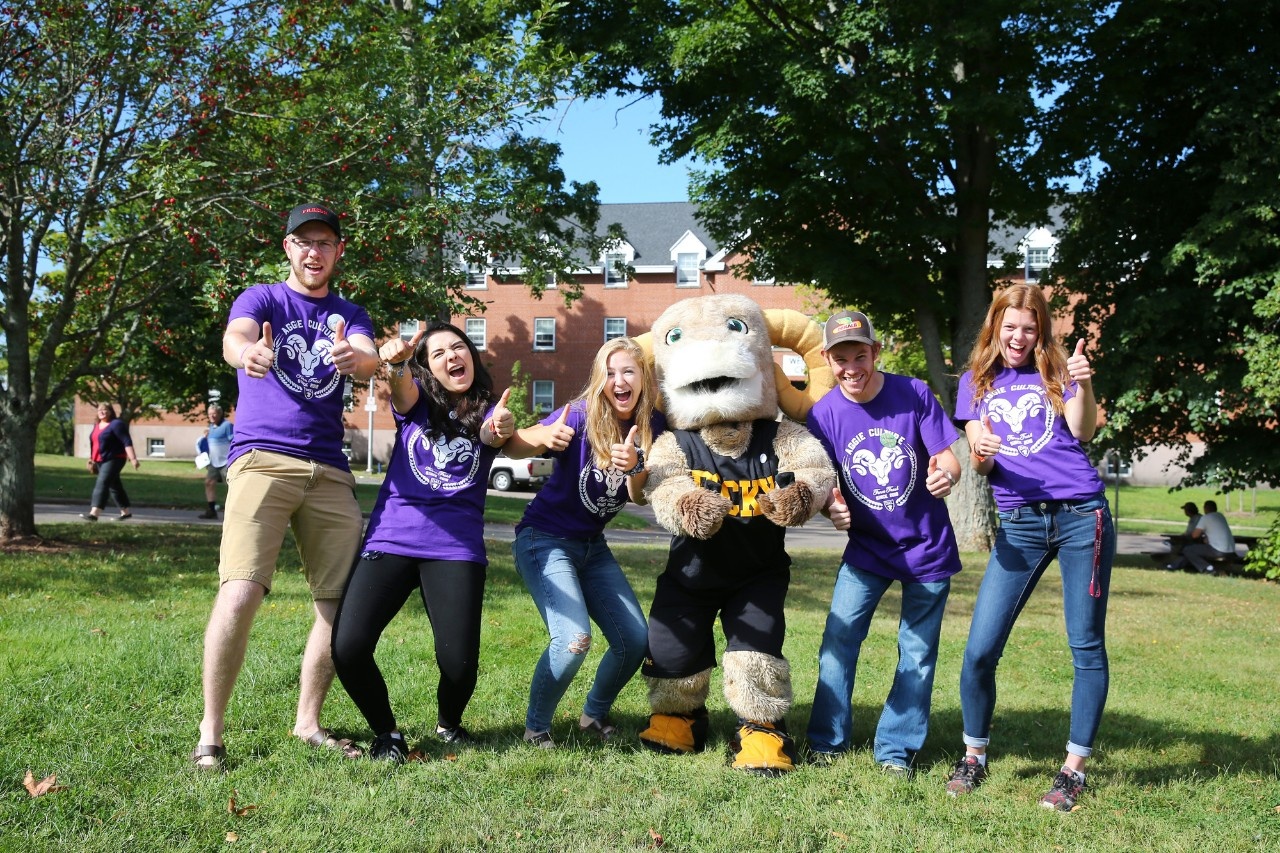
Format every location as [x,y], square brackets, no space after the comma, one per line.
[867,148]
[149,153]
[1173,251]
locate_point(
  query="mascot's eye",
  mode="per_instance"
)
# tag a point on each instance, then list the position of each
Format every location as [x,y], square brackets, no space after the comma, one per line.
[736,325]
[673,336]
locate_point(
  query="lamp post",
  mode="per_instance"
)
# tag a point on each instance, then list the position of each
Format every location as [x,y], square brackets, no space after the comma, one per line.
[370,406]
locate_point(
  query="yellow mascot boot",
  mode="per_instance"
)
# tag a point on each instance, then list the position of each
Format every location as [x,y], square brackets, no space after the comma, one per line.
[678,724]
[758,688]
[763,749]
[676,734]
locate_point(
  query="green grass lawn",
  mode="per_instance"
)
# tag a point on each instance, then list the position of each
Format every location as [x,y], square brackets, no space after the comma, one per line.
[100,684]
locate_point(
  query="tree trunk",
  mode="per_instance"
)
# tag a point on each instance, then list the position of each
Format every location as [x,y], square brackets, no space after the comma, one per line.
[972,509]
[17,480]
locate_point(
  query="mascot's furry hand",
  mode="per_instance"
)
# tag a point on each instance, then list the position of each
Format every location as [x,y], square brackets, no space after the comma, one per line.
[702,511]
[789,505]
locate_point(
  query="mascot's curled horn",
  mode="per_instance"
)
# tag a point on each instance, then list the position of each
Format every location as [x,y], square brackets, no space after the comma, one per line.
[726,480]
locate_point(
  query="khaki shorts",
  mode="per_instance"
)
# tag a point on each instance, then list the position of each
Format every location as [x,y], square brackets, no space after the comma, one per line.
[270,492]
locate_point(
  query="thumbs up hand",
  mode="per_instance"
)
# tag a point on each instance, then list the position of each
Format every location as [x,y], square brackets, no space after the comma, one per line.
[625,456]
[1078,367]
[397,351]
[559,433]
[258,357]
[838,511]
[343,353]
[501,423]
[988,443]
[939,480]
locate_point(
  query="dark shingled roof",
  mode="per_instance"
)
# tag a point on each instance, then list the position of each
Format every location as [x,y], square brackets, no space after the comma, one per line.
[654,227]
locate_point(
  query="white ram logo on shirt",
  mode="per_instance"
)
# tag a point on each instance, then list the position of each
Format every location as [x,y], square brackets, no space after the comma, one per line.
[1029,405]
[308,359]
[891,457]
[443,452]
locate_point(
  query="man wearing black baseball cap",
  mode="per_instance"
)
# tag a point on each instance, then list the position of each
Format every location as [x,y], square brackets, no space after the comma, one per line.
[292,343]
[313,212]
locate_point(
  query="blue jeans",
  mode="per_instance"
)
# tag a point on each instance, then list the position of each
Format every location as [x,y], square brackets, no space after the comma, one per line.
[1027,541]
[574,582]
[905,719]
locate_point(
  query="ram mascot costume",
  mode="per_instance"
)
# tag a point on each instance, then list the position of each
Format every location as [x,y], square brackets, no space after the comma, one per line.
[727,479]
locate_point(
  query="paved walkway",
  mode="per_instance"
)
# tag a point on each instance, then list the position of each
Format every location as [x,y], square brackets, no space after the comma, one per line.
[816,535]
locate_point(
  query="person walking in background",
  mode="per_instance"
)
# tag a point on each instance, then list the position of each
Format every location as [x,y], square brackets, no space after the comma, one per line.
[216,442]
[1210,540]
[426,531]
[890,441]
[110,447]
[291,344]
[599,441]
[1028,409]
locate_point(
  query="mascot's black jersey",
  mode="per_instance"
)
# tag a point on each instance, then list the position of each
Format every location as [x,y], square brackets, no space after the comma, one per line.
[747,544]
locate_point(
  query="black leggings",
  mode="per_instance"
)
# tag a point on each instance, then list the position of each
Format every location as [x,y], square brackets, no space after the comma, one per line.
[380,584]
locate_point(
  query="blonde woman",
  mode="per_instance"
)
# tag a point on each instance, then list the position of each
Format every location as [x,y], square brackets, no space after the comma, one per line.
[598,442]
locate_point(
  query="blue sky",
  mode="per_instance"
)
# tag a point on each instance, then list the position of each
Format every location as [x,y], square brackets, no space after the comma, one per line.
[607,141]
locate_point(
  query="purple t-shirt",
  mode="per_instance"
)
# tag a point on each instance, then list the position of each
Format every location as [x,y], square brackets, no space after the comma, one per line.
[296,409]
[579,499]
[881,450]
[1040,460]
[431,505]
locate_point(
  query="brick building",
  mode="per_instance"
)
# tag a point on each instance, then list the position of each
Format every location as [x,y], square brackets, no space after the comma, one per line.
[666,257]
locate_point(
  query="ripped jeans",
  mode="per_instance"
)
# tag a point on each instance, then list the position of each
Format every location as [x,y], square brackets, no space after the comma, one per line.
[574,582]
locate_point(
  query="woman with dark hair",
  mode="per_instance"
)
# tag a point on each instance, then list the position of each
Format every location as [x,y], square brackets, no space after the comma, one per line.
[426,530]
[1028,409]
[109,448]
[598,441]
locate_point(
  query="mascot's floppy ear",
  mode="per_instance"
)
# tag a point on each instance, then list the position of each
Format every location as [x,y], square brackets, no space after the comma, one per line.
[791,330]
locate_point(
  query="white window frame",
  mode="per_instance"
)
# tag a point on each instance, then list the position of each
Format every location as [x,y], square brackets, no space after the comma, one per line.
[478,326]
[616,333]
[1038,260]
[544,341]
[477,276]
[542,396]
[688,262]
[612,277]
[155,448]
[408,328]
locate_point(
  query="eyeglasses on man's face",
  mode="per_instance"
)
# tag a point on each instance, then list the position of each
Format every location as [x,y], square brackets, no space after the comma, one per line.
[322,246]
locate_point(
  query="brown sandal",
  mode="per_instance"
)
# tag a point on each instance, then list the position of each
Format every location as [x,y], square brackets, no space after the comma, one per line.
[325,739]
[216,752]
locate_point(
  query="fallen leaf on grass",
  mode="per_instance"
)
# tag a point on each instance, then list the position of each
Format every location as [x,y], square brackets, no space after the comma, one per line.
[1277,810]
[657,838]
[417,755]
[232,838]
[47,785]
[840,835]
[240,811]
[98,632]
